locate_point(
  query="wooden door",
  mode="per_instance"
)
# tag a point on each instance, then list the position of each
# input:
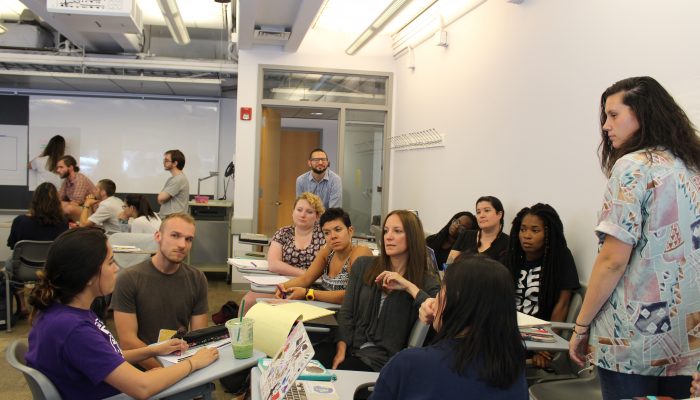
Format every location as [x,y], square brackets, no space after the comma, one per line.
[296,146]
[268,196]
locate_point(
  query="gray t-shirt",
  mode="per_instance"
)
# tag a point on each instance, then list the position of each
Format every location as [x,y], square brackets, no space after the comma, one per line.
[160,301]
[107,214]
[179,190]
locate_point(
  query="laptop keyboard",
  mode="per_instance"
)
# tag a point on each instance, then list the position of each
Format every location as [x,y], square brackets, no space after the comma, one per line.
[296,392]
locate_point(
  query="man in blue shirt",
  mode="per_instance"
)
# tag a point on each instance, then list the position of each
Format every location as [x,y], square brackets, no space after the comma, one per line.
[321,181]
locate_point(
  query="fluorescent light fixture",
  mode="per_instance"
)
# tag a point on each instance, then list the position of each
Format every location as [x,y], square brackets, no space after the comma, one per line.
[173,19]
[384,18]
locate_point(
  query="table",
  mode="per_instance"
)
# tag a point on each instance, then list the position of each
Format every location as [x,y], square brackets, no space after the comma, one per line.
[225,365]
[346,384]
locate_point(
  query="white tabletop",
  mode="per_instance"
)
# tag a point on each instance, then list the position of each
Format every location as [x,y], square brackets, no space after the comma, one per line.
[346,384]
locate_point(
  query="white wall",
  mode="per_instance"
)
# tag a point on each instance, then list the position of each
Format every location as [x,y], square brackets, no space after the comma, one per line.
[319,50]
[516,94]
[227,144]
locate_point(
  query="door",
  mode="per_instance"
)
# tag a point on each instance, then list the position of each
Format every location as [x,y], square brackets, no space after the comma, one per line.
[296,145]
[268,197]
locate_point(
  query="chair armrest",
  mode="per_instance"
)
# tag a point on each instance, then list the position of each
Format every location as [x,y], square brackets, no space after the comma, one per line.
[563,325]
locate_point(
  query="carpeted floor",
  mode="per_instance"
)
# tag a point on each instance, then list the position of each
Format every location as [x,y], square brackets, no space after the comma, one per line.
[12,383]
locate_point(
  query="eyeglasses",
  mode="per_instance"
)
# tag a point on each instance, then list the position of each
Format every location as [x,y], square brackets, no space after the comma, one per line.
[318,160]
[165,160]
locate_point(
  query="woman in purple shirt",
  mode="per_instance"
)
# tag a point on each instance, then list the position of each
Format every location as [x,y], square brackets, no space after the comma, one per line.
[71,346]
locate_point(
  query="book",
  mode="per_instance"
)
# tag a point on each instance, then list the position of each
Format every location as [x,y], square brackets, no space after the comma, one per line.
[314,370]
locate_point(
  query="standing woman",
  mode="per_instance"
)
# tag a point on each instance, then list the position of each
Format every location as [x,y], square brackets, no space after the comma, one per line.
[382,298]
[71,346]
[145,220]
[543,268]
[442,242]
[489,239]
[45,163]
[641,306]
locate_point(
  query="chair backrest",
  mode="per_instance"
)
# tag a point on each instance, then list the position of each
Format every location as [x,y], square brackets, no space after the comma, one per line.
[418,334]
[144,241]
[28,257]
[39,384]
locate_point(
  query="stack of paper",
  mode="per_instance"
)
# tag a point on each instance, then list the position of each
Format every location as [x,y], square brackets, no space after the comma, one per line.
[245,264]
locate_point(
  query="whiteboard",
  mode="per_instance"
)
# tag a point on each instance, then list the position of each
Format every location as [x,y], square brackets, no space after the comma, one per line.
[13,155]
[124,139]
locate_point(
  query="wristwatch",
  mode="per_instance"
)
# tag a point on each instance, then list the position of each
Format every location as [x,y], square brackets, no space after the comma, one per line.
[310,295]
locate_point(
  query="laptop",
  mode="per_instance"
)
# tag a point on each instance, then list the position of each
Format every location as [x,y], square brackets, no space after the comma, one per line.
[279,380]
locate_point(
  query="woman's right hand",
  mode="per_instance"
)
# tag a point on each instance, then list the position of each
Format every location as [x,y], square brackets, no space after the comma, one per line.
[426,313]
[339,355]
[281,291]
[204,357]
[695,385]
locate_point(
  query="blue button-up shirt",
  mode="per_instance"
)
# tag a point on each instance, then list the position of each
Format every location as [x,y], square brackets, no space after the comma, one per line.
[329,189]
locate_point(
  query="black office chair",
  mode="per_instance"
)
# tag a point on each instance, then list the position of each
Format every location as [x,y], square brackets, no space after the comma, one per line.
[28,257]
[40,386]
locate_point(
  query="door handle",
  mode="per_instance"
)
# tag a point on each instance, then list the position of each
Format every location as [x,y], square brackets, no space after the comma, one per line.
[277,203]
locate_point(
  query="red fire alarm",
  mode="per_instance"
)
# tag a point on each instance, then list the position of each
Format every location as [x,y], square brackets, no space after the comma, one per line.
[246,113]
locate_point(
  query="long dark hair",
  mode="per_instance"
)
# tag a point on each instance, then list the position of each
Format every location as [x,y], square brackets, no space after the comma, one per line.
[54,150]
[439,238]
[141,204]
[46,206]
[662,123]
[556,253]
[478,312]
[498,206]
[75,257]
[417,265]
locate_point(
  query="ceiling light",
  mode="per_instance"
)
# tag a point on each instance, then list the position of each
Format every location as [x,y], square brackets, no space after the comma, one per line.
[173,19]
[384,18]
[2,29]
[316,114]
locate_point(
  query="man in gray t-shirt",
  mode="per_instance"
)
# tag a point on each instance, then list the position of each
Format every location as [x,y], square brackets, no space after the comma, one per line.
[163,292]
[176,192]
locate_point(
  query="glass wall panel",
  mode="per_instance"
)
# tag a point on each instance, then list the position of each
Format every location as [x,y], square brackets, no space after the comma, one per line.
[324,87]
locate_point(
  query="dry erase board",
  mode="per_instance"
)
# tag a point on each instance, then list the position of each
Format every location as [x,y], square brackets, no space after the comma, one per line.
[124,139]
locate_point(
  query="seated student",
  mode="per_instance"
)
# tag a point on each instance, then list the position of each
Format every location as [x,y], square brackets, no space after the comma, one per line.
[542,266]
[142,218]
[382,299]
[294,247]
[71,346]
[45,220]
[442,242]
[477,352]
[162,292]
[108,209]
[332,262]
[489,239]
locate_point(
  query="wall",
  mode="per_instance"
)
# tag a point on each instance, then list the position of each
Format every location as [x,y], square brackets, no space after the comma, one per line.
[227,144]
[319,50]
[516,94]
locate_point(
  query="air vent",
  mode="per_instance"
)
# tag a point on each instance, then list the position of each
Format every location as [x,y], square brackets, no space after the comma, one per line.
[272,33]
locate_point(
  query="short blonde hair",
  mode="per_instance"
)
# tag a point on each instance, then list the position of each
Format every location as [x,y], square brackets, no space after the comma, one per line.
[313,200]
[183,216]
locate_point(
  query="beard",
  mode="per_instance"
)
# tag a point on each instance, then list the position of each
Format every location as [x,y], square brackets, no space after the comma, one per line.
[64,175]
[319,170]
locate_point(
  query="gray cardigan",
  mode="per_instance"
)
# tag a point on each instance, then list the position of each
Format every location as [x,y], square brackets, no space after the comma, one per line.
[360,321]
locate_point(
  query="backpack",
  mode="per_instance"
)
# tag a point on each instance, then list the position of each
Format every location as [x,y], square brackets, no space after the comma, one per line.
[228,311]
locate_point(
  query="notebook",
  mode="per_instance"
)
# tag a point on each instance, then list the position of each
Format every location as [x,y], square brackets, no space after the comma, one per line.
[279,380]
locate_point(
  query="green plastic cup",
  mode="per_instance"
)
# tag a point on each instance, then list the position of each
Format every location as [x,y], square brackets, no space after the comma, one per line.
[241,333]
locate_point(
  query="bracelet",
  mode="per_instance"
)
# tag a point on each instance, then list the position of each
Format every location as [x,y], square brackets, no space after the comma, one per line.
[580,336]
[582,326]
[191,367]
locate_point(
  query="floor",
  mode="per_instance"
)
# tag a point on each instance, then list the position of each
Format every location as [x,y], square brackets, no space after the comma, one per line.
[12,383]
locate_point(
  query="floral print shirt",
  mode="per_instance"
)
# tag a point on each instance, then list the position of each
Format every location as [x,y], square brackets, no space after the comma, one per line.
[300,258]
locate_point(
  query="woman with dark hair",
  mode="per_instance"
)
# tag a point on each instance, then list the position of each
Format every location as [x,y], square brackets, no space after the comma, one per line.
[71,346]
[477,351]
[542,266]
[489,239]
[332,263]
[442,242]
[382,298]
[641,307]
[45,220]
[45,163]
[142,218]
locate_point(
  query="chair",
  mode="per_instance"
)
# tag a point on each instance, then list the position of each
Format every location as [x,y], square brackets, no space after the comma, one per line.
[586,386]
[39,384]
[28,257]
[143,241]
[418,334]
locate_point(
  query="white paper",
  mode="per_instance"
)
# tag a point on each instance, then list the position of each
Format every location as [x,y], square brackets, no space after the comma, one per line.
[253,265]
[528,320]
[174,358]
[267,280]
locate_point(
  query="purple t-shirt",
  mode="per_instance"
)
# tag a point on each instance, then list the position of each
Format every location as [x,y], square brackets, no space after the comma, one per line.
[74,349]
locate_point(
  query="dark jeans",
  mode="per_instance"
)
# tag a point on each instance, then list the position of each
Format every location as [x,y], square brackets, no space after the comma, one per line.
[616,385]
[325,352]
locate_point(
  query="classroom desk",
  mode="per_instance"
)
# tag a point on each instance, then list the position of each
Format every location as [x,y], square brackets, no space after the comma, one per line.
[225,365]
[560,345]
[346,384]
